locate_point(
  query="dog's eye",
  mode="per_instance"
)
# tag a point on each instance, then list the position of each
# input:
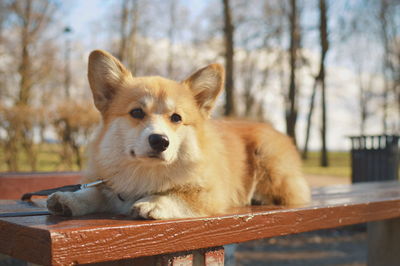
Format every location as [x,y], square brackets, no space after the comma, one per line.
[137,113]
[176,118]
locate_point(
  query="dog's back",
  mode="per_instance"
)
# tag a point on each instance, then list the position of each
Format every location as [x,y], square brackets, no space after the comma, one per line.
[251,162]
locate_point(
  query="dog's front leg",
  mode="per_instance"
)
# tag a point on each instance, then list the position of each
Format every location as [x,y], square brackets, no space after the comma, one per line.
[168,206]
[77,203]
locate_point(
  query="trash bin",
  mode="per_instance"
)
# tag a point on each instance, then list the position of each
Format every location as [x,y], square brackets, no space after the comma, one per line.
[374,158]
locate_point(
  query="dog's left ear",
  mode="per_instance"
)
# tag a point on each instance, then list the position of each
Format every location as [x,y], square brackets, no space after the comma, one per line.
[206,84]
[106,76]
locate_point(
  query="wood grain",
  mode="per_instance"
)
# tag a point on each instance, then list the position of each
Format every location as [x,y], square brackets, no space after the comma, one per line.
[103,237]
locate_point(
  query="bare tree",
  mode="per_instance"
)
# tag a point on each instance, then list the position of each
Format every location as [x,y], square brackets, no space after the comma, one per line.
[3,17]
[365,85]
[69,114]
[375,59]
[320,81]
[229,59]
[388,21]
[128,30]
[30,20]
[248,70]
[324,49]
[33,18]
[309,118]
[291,100]
[171,37]
[123,24]
[386,61]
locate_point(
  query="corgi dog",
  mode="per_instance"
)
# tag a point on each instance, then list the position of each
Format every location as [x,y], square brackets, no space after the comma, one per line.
[160,156]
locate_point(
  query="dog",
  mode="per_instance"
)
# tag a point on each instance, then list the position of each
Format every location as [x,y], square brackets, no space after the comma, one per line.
[160,156]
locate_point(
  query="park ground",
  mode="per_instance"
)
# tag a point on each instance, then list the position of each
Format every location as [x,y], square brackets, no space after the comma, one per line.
[340,246]
[49,159]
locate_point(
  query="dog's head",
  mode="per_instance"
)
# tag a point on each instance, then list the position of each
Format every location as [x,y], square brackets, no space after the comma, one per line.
[151,119]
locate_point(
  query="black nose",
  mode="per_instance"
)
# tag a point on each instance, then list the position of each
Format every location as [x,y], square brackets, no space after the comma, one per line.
[158,142]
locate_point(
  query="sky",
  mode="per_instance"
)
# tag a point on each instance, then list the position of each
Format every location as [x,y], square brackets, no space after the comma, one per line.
[82,15]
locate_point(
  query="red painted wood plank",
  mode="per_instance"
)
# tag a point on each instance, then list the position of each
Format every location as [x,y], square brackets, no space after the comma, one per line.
[14,185]
[104,237]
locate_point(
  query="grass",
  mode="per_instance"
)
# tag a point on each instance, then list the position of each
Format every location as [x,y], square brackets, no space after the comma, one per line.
[339,164]
[49,160]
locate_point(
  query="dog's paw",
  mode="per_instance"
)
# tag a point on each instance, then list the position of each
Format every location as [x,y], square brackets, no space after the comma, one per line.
[59,203]
[150,208]
[159,208]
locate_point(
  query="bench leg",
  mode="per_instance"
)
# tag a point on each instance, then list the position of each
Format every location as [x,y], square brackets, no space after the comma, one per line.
[209,257]
[203,257]
[384,242]
[174,259]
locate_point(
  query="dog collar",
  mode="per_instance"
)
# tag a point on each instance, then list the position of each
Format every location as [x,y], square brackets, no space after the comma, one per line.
[92,184]
[99,182]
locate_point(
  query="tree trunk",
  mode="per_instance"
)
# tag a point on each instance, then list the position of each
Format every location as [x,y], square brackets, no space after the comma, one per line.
[324,50]
[364,99]
[309,119]
[31,152]
[128,32]
[25,86]
[171,38]
[229,60]
[320,80]
[363,111]
[291,105]
[11,147]
[25,65]
[247,71]
[324,149]
[386,63]
[123,39]
[67,68]
[78,157]
[131,53]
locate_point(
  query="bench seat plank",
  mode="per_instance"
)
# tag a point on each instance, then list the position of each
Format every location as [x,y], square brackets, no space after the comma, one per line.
[58,240]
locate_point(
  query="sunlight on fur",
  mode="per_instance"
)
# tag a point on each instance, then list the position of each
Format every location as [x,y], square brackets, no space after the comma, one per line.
[161,157]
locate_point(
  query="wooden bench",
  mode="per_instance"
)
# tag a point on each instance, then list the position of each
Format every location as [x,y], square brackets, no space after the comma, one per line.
[103,238]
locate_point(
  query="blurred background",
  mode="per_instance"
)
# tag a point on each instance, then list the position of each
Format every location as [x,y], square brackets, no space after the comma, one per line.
[318,70]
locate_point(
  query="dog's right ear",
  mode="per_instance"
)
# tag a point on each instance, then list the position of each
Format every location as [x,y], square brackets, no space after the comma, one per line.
[106,76]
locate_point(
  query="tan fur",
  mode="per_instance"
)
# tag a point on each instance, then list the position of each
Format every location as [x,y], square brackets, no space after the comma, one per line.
[210,165]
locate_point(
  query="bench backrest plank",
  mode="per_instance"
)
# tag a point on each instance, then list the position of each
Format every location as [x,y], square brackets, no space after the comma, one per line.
[104,237]
[13,185]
